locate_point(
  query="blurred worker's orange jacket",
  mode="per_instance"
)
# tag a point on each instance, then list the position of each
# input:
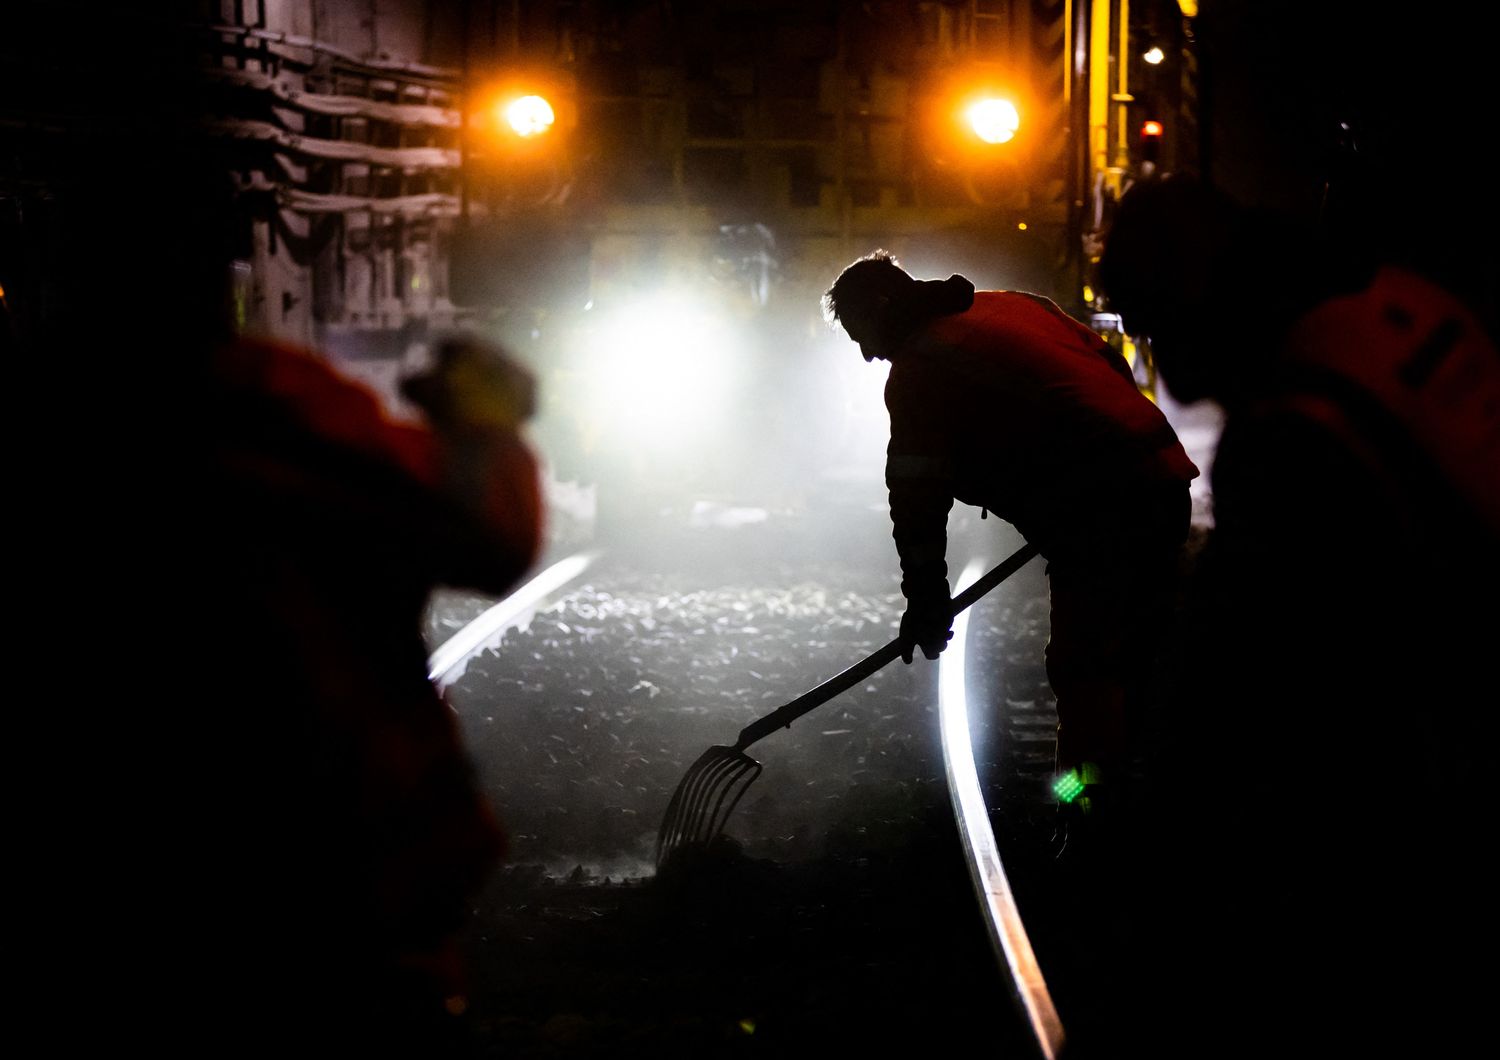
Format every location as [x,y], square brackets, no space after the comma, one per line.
[358,833]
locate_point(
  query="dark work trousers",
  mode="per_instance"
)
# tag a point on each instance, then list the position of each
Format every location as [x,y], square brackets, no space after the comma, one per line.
[1112,589]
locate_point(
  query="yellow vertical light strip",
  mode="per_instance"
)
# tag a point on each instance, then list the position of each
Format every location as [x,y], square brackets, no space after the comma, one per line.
[1099,86]
[1122,60]
[1068,59]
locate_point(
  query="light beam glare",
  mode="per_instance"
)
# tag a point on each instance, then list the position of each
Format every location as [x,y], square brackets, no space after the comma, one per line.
[663,364]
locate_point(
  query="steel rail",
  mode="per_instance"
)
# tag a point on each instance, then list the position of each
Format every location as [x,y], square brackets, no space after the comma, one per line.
[508,612]
[1002,917]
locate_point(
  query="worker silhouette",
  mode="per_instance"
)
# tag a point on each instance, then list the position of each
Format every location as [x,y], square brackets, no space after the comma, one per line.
[999,399]
[360,828]
[1320,855]
[255,792]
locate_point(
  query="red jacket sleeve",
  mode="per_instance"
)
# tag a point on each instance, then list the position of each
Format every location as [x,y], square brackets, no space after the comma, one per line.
[919,475]
[471,502]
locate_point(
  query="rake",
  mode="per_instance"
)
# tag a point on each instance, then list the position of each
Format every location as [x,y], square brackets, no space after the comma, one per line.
[715,783]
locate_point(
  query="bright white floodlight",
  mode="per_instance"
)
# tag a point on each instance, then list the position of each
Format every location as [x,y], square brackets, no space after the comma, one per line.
[663,366]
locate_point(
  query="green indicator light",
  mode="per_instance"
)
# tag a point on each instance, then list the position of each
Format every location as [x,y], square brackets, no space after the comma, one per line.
[1067,787]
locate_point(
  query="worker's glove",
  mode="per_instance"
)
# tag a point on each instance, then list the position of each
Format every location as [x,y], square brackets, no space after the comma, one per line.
[472,386]
[927,624]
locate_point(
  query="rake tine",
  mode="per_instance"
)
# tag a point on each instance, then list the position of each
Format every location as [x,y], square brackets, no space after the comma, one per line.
[716,780]
[700,794]
[721,769]
[697,811]
[677,810]
[718,820]
[692,797]
[702,779]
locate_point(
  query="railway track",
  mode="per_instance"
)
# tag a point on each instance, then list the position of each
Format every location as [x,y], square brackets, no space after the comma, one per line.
[562,599]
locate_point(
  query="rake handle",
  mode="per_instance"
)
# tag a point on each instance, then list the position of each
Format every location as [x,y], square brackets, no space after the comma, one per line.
[782,717]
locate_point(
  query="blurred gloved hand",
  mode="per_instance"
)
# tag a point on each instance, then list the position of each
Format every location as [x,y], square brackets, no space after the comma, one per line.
[472,385]
[927,624]
[476,399]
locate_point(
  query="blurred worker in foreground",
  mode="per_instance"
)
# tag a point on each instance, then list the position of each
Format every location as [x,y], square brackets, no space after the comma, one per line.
[255,831]
[1324,877]
[1001,400]
[359,836]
